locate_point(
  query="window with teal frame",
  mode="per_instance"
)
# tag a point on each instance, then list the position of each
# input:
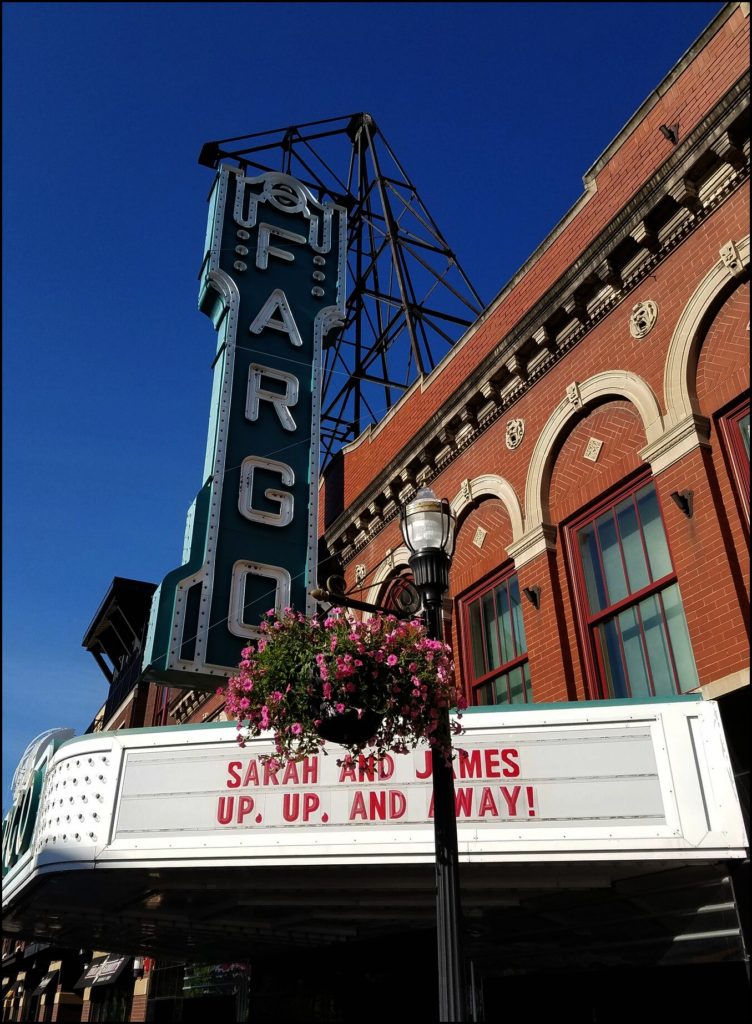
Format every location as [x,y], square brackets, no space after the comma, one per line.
[495,648]
[629,602]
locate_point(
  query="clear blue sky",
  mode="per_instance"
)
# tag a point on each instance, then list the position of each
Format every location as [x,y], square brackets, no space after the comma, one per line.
[496,110]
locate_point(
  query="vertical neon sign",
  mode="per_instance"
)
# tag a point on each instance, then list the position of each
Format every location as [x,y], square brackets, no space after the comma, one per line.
[273,284]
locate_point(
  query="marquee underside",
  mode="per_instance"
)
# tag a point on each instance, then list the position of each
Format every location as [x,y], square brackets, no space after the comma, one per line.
[579,915]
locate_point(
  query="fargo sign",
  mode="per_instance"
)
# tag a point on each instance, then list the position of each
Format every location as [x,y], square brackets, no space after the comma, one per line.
[273,284]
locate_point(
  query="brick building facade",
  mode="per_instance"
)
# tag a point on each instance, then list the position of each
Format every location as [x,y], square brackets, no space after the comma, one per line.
[615,360]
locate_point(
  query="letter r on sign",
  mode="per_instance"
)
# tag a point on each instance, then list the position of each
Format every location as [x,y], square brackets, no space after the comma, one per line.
[281,401]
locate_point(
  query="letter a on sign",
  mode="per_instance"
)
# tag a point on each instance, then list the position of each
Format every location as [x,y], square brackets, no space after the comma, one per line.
[265,318]
[251,536]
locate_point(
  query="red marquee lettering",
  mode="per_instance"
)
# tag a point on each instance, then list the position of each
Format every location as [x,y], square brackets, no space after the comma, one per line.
[251,774]
[291,806]
[511,797]
[463,802]
[245,806]
[270,774]
[487,804]
[225,809]
[397,804]
[492,764]
[232,770]
[377,808]
[358,809]
[470,766]
[310,771]
[369,769]
[427,768]
[530,801]
[291,774]
[347,773]
[512,769]
[311,803]
[383,804]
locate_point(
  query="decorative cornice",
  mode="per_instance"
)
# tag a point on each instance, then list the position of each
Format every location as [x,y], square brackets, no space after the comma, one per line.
[188,703]
[644,109]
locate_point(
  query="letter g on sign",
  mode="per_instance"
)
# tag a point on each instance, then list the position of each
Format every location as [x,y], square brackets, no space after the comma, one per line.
[284,498]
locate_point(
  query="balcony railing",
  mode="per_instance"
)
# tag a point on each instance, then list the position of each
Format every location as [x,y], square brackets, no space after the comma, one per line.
[122,684]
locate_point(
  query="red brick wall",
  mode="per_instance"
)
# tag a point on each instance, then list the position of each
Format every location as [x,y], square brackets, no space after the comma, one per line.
[723,365]
[212,705]
[470,562]
[575,480]
[153,703]
[575,483]
[138,1008]
[722,375]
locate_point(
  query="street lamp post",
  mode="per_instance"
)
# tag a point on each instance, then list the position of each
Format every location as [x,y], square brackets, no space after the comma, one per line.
[428,530]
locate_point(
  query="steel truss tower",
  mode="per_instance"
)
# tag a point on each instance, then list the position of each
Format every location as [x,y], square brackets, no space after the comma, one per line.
[408,298]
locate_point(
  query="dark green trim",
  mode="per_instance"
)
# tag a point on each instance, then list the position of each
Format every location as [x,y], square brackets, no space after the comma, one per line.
[561,705]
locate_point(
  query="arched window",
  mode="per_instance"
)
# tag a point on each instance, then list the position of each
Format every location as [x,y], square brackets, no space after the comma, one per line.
[400,594]
[630,612]
[493,642]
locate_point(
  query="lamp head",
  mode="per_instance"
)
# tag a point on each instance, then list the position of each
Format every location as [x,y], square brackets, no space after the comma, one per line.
[428,524]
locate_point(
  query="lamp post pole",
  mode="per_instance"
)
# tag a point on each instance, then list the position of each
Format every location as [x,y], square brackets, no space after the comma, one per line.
[428,530]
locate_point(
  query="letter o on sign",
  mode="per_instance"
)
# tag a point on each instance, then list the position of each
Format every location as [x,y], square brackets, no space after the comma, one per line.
[18,826]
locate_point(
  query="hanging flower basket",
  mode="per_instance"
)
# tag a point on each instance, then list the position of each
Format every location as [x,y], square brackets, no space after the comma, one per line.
[378,686]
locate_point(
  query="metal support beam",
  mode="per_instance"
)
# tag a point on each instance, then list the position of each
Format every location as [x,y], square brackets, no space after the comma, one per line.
[397,259]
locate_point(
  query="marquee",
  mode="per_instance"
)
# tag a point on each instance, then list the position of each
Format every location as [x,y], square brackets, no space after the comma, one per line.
[612,780]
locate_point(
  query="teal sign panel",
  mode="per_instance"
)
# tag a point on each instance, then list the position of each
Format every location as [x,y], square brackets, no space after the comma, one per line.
[273,284]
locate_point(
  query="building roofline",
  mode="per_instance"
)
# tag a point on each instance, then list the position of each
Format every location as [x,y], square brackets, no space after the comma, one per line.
[116,588]
[647,105]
